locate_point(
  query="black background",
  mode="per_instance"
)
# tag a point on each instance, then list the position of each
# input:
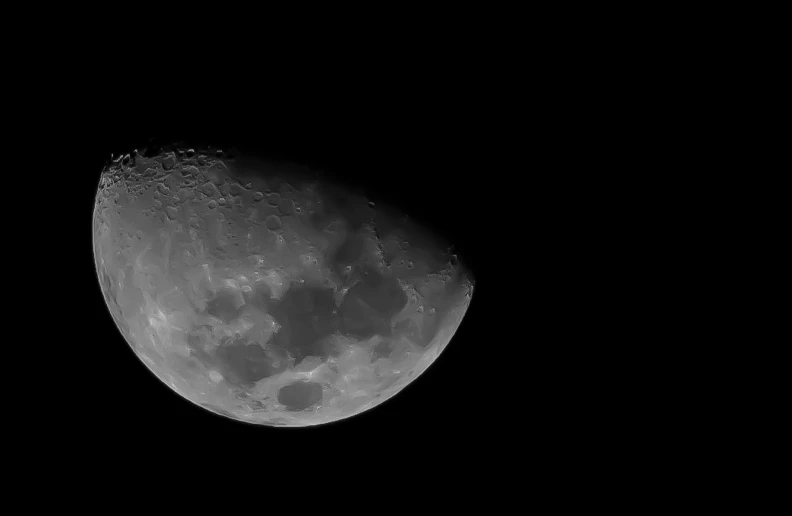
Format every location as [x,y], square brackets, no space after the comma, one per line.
[435,149]
[443,136]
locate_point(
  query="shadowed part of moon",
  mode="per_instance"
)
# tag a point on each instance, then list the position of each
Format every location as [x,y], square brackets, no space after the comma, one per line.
[307,316]
[300,395]
[368,307]
[224,307]
[245,363]
[286,206]
[383,349]
[273,222]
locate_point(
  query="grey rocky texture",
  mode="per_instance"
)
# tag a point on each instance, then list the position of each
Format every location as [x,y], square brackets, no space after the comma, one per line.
[233,279]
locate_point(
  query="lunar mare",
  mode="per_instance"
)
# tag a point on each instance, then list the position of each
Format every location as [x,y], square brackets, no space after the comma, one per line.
[268,296]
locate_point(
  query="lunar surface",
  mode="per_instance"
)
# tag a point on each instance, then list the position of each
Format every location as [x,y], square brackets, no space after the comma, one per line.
[265,294]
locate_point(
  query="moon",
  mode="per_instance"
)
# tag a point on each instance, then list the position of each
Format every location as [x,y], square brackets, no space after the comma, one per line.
[267,294]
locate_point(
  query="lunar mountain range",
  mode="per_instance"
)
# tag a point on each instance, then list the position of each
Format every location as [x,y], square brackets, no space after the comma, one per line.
[266,293]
